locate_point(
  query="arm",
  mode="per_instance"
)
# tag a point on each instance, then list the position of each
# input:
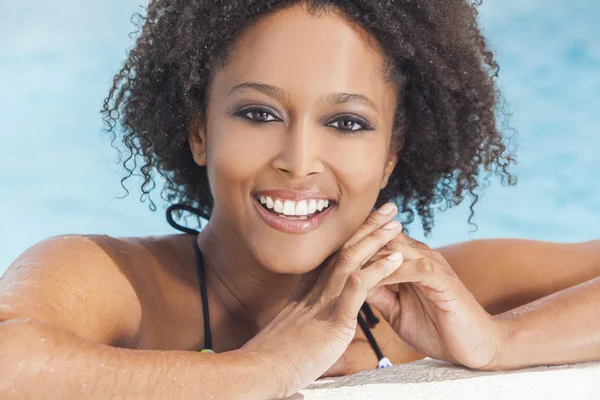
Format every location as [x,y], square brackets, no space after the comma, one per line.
[39,360]
[504,274]
[561,328]
[546,296]
[68,309]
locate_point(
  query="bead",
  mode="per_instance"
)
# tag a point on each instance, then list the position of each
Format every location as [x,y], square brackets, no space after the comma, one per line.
[207,351]
[384,363]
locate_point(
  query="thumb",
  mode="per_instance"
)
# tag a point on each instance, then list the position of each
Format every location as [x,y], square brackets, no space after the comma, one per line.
[386,301]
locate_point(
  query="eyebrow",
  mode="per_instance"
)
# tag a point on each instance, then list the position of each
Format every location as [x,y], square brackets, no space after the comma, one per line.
[272,91]
[283,96]
[342,98]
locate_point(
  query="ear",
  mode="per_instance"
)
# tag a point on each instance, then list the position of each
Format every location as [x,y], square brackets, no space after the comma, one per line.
[197,140]
[389,168]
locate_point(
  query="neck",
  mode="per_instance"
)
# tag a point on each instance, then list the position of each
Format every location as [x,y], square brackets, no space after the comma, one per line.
[247,290]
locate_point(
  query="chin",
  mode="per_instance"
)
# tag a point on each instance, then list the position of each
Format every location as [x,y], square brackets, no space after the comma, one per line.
[295,262]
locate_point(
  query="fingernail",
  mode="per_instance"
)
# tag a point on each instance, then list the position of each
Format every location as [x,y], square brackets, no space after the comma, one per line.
[395,257]
[392,225]
[386,208]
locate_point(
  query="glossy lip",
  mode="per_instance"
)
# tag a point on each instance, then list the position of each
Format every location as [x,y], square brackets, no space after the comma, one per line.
[291,226]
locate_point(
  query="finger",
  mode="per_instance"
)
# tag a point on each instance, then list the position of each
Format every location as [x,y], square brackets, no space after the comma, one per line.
[413,253]
[374,221]
[359,282]
[403,238]
[353,258]
[318,279]
[386,301]
[423,271]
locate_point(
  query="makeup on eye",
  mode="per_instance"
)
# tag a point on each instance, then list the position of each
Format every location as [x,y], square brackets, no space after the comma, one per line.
[253,110]
[262,115]
[354,120]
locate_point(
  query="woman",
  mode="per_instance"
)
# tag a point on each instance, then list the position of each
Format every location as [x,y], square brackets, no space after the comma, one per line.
[284,123]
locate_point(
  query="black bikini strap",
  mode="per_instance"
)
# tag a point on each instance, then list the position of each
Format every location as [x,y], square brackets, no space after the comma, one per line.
[366,309]
[184,207]
[367,331]
[199,265]
[371,318]
[204,295]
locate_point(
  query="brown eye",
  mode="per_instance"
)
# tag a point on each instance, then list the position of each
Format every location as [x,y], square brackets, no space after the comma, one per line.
[348,125]
[257,114]
[351,124]
[261,116]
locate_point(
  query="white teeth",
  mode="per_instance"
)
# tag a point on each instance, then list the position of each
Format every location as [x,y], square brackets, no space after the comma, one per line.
[312,206]
[289,208]
[320,205]
[278,206]
[301,208]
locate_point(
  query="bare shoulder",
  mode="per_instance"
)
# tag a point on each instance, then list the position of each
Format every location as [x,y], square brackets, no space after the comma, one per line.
[505,273]
[96,286]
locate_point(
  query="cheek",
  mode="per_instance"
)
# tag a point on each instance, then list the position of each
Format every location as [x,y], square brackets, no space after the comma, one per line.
[357,164]
[245,150]
[358,170]
[236,156]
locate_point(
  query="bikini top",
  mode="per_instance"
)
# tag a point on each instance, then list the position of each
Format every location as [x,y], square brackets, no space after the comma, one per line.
[365,325]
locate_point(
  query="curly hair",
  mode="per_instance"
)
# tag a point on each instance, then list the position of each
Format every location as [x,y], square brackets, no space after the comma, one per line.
[447,101]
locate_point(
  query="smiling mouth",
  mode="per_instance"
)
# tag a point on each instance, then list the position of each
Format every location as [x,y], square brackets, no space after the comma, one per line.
[294,217]
[294,210]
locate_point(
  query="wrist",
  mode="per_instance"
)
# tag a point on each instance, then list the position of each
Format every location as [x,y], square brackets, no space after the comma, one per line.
[504,358]
[267,380]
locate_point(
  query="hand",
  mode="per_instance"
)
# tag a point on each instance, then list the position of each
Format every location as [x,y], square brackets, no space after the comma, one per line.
[316,326]
[431,310]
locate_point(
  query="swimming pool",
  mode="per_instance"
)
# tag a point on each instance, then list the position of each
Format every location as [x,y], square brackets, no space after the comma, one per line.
[58,172]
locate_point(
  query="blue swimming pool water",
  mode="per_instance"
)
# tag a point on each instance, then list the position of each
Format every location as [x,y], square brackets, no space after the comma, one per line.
[58,173]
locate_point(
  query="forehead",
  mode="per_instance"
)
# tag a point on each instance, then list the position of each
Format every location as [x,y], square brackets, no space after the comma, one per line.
[308,55]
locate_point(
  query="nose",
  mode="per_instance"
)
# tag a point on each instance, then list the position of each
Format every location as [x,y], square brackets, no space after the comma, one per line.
[301,152]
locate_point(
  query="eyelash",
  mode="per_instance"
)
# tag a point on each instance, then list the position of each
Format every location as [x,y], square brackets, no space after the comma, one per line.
[347,117]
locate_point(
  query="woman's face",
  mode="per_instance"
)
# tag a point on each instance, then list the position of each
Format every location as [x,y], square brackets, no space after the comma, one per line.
[301,112]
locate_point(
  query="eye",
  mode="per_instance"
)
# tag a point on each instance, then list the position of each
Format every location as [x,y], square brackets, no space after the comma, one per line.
[257,114]
[351,124]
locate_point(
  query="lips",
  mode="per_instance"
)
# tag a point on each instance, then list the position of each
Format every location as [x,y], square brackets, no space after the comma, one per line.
[292,224]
